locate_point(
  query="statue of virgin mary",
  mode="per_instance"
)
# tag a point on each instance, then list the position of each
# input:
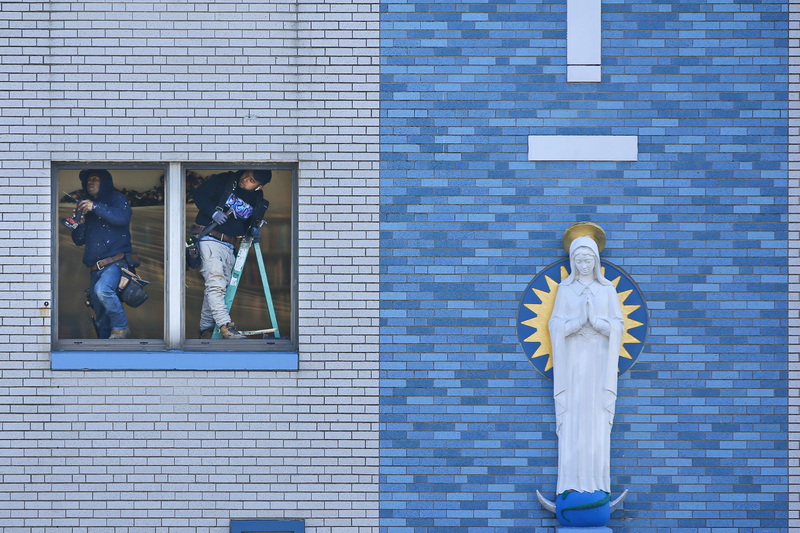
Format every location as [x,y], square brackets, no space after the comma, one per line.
[586,329]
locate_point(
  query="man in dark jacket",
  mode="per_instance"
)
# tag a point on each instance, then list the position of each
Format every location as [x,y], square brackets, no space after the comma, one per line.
[231,200]
[105,232]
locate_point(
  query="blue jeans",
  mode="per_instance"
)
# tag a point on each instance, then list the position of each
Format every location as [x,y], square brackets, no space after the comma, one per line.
[107,307]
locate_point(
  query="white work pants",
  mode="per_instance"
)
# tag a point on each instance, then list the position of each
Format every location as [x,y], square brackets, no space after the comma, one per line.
[218,259]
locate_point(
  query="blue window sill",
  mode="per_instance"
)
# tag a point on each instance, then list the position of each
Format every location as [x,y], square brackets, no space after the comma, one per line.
[258,526]
[173,360]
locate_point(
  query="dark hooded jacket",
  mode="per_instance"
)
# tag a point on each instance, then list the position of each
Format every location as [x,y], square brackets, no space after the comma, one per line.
[214,192]
[106,231]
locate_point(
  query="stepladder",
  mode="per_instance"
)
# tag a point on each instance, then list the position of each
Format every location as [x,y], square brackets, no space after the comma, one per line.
[233,286]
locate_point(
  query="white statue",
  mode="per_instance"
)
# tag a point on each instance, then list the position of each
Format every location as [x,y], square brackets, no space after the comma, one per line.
[586,330]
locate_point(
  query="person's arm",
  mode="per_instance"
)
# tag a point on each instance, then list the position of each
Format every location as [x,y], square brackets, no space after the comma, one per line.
[117,212]
[560,317]
[254,223]
[207,194]
[600,324]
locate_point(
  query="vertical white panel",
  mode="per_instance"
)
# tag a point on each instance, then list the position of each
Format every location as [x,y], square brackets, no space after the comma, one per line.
[584,42]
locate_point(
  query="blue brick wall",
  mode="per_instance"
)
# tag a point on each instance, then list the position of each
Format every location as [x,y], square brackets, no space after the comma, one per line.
[700,222]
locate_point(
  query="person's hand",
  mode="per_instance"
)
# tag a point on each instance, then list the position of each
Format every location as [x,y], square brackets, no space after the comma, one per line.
[219,217]
[85,206]
[592,315]
[254,231]
[584,314]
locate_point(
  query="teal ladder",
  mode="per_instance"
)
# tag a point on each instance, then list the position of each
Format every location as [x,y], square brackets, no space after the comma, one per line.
[230,293]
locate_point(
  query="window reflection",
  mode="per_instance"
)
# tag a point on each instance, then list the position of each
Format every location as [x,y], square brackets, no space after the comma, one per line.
[144,191]
[250,310]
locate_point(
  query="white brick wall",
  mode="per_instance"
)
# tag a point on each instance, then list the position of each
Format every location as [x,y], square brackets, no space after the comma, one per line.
[193,81]
[794,265]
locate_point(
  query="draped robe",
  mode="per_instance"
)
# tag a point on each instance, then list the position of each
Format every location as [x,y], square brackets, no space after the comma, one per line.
[585,366]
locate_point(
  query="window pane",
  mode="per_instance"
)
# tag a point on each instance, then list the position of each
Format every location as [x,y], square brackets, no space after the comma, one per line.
[250,305]
[144,191]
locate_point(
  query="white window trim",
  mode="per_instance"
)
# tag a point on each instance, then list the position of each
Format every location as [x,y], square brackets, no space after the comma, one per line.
[174,241]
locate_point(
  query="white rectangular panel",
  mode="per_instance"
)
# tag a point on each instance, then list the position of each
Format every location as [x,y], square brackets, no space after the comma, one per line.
[583,32]
[583,148]
[583,73]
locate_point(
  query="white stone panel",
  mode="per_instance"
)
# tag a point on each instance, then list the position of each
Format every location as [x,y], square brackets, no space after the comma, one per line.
[583,73]
[583,147]
[584,39]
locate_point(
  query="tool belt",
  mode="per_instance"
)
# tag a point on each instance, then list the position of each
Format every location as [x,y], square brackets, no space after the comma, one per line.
[131,288]
[230,239]
[102,263]
[130,258]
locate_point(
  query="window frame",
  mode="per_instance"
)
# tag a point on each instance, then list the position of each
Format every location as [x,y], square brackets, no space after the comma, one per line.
[176,350]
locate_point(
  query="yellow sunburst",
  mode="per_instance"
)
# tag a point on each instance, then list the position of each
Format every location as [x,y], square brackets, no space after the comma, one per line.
[543,310]
[626,316]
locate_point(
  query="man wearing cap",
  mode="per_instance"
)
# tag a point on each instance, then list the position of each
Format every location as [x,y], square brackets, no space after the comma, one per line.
[105,232]
[230,201]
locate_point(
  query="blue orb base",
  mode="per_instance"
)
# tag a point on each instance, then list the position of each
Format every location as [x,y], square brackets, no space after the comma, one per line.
[583,510]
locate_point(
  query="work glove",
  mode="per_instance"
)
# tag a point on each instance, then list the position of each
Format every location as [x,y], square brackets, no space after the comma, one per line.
[219,217]
[254,231]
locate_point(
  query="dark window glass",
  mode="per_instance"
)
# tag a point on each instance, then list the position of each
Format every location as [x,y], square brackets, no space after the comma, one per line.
[144,190]
[250,306]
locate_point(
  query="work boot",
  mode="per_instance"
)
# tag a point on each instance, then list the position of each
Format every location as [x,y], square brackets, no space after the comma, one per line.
[120,333]
[229,331]
[206,333]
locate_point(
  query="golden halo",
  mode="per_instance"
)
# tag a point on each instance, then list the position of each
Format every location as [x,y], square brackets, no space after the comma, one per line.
[584,229]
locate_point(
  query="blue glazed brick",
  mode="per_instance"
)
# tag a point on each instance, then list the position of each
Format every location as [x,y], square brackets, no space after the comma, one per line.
[699,221]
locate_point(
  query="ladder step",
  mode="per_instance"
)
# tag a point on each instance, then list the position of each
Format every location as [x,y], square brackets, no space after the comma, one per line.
[258,331]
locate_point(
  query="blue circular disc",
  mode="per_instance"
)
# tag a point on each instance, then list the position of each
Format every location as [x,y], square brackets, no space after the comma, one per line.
[536,307]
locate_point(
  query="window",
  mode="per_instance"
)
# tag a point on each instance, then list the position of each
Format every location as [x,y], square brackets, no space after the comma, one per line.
[164,330]
[143,188]
[264,526]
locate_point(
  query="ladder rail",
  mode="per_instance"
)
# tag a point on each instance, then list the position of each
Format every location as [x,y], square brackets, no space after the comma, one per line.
[233,285]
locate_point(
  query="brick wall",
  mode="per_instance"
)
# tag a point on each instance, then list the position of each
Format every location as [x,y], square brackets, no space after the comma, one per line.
[794,264]
[182,82]
[466,221]
[699,221]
